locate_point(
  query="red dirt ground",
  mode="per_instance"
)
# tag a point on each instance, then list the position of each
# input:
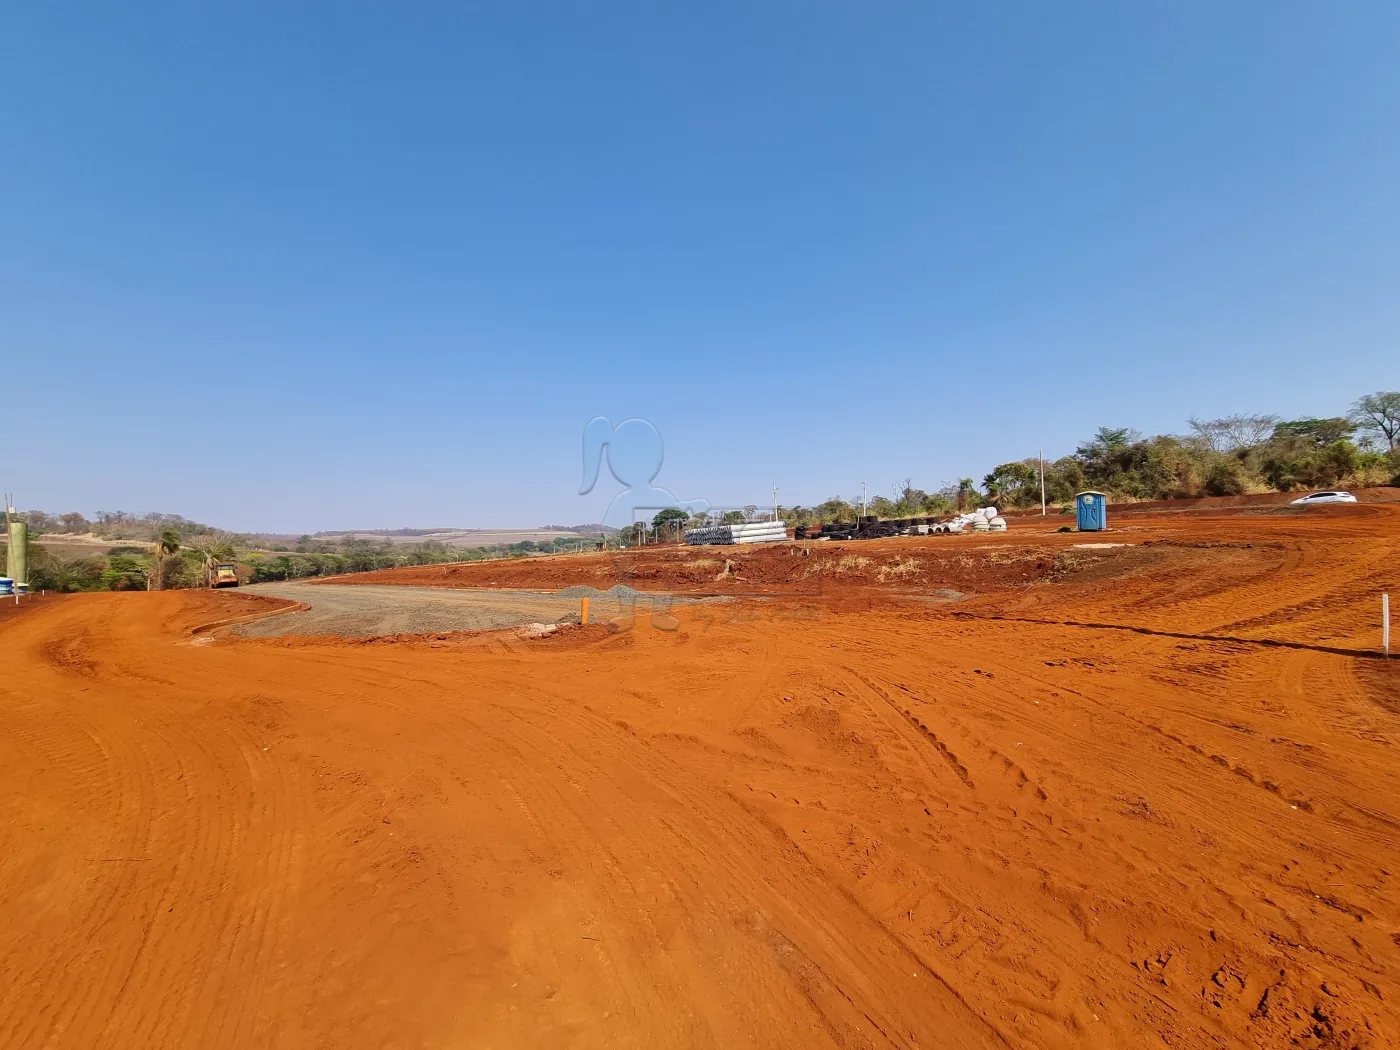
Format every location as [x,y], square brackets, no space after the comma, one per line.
[1032,550]
[1146,799]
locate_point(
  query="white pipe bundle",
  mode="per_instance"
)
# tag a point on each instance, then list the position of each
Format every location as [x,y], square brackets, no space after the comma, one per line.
[744,532]
[757,528]
[770,532]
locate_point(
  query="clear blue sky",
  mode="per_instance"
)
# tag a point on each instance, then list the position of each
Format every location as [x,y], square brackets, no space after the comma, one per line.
[299,266]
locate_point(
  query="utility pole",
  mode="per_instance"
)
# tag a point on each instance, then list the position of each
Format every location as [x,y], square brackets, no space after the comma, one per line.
[775,501]
[1042,482]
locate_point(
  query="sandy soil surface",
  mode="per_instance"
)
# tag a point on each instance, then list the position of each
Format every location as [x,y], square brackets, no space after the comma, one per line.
[377,611]
[1145,799]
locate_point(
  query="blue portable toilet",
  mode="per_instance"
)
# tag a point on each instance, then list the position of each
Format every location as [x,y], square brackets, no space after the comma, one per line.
[1091,511]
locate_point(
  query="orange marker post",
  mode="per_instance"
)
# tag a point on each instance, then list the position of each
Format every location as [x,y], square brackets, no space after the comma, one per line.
[583,616]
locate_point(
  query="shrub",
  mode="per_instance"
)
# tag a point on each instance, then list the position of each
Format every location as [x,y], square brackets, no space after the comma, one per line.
[53,572]
[1225,478]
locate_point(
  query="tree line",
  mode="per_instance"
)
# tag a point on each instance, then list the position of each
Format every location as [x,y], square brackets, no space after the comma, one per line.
[1231,456]
[114,525]
[164,563]
[317,557]
[158,555]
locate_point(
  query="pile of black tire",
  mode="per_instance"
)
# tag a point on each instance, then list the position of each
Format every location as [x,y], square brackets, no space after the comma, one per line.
[867,527]
[835,530]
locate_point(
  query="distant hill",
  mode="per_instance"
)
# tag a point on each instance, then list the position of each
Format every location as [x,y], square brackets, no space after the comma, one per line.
[449,536]
[77,533]
[446,532]
[387,532]
[583,530]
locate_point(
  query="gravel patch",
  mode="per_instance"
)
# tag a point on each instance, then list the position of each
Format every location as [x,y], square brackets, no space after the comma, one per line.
[360,611]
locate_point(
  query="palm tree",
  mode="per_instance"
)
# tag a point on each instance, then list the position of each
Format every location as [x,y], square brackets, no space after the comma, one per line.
[167,543]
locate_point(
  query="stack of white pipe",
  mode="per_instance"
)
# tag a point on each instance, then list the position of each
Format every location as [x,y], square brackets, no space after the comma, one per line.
[745,532]
[760,532]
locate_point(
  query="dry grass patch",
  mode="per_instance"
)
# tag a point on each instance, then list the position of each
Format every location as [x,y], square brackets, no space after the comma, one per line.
[899,570]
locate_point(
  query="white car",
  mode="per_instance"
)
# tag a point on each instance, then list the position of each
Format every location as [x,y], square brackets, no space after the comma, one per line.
[1324,497]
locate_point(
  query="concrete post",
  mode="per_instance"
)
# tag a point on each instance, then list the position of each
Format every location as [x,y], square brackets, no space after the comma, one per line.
[18,553]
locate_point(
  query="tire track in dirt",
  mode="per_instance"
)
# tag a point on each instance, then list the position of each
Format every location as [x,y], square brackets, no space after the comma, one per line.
[204,842]
[540,793]
[821,987]
[724,835]
[923,736]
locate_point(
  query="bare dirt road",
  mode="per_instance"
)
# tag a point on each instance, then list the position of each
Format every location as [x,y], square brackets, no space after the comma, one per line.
[1147,799]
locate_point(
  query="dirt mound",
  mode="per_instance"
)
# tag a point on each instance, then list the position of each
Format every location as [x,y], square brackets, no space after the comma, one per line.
[913,566]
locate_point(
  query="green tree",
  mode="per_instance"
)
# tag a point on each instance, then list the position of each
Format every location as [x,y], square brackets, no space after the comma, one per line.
[127,572]
[672,520]
[1017,484]
[938,503]
[167,545]
[1105,457]
[54,572]
[1297,461]
[884,507]
[1063,479]
[834,509]
[668,514]
[1225,477]
[169,541]
[908,500]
